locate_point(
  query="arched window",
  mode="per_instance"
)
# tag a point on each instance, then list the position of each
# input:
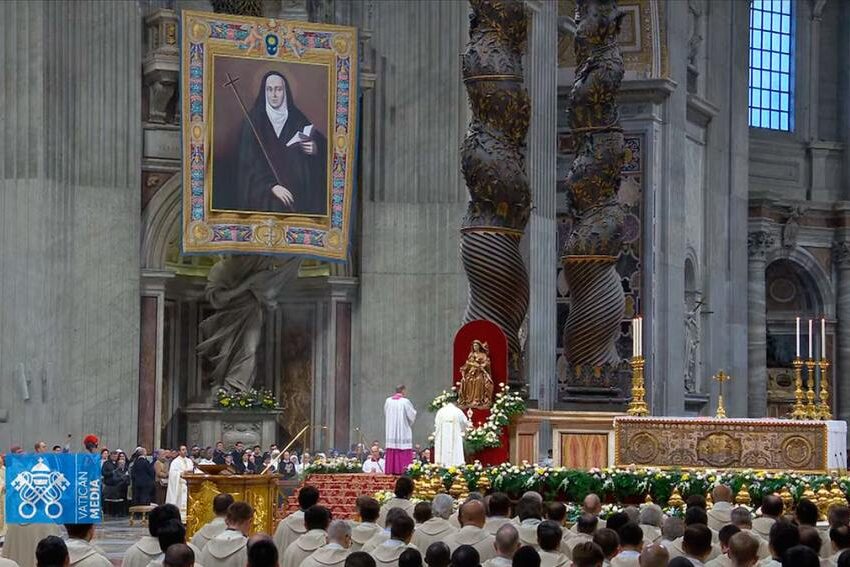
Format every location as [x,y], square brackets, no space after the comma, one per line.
[772,64]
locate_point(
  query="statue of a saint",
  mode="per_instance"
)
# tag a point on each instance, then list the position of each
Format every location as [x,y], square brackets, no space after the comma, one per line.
[476,384]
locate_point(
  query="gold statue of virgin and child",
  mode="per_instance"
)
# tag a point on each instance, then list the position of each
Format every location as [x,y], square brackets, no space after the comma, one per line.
[476,384]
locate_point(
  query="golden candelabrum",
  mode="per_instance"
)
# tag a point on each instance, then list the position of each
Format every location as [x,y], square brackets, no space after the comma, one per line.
[824,410]
[638,405]
[811,408]
[799,396]
[721,377]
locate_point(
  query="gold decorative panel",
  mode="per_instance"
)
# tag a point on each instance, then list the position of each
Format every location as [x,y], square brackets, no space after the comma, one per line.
[260,491]
[721,443]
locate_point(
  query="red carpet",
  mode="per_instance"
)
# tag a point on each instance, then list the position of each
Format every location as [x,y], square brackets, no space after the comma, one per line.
[338,492]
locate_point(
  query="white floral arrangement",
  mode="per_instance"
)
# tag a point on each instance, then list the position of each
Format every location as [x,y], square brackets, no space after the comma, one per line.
[338,465]
[443,398]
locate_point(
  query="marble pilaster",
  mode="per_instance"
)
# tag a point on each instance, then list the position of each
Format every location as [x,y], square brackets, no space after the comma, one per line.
[841,366]
[540,240]
[758,244]
[69,212]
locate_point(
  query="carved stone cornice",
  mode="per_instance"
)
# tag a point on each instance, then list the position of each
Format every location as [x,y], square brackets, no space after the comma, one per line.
[841,254]
[759,243]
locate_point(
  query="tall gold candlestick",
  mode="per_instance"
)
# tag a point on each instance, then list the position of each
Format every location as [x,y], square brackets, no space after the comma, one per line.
[811,408]
[799,405]
[637,406]
[824,411]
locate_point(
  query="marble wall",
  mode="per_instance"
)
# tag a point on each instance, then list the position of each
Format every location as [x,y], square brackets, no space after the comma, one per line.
[69,212]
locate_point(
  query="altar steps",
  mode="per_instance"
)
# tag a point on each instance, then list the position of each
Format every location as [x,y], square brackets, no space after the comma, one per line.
[338,492]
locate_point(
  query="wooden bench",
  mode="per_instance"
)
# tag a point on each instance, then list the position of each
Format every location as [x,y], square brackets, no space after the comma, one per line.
[143,511]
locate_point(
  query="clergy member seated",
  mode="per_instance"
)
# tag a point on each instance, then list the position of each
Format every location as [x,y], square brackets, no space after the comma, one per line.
[591,505]
[585,528]
[169,534]
[147,548]
[21,539]
[387,554]
[742,519]
[587,554]
[654,555]
[498,512]
[743,550]
[838,515]
[506,545]
[609,542]
[410,557]
[549,536]
[529,511]
[720,513]
[316,521]
[375,463]
[50,552]
[403,491]
[421,513]
[783,536]
[81,552]
[437,528]
[229,548]
[384,534]
[472,518]
[672,529]
[465,556]
[723,560]
[178,555]
[220,504]
[359,559]
[696,544]
[631,544]
[693,516]
[839,537]
[337,549]
[368,509]
[292,527]
[438,555]
[771,510]
[262,552]
[650,520]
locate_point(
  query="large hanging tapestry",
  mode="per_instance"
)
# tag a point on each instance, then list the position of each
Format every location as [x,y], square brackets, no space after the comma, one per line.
[269,110]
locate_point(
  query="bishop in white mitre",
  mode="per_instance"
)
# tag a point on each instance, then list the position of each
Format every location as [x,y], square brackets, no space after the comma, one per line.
[450,424]
[178,492]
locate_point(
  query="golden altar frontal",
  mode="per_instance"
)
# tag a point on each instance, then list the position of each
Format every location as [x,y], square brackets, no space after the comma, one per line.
[767,444]
[258,490]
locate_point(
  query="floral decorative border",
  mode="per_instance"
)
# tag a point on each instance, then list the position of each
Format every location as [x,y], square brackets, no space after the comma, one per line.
[214,232]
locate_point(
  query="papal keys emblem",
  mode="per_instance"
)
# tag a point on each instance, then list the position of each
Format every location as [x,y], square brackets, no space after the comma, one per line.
[40,485]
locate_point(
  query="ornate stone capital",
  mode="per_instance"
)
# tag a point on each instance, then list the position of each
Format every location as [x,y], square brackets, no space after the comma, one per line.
[759,243]
[841,254]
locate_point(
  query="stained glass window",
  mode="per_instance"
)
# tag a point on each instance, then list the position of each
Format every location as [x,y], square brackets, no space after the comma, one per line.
[772,64]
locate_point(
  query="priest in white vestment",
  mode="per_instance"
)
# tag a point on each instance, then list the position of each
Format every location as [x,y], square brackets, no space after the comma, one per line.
[400,415]
[178,492]
[450,423]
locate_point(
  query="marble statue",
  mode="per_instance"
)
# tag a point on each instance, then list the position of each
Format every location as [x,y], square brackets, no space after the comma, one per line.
[691,344]
[240,288]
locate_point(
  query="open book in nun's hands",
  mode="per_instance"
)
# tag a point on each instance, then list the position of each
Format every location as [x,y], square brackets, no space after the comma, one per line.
[301,136]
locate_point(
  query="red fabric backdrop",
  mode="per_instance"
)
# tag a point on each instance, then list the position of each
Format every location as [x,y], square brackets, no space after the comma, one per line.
[497,344]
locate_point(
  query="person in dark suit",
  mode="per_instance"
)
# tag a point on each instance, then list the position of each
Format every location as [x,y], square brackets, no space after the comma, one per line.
[142,478]
[237,453]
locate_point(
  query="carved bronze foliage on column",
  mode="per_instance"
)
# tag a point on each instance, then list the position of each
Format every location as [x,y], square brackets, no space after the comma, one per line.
[494,168]
[597,303]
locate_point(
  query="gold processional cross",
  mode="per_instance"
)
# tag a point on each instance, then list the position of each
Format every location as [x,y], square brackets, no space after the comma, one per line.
[721,377]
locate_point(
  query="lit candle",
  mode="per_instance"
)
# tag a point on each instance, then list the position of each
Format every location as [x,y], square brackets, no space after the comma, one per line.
[640,336]
[634,336]
[810,338]
[798,337]
[823,338]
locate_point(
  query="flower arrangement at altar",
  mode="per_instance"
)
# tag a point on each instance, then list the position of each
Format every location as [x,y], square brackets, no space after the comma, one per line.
[506,405]
[633,485]
[245,400]
[337,465]
[442,399]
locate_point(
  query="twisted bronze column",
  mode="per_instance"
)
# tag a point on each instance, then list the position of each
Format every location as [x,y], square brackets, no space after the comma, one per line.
[597,303]
[494,168]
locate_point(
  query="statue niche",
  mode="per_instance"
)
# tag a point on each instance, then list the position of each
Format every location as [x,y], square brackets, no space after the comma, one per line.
[476,384]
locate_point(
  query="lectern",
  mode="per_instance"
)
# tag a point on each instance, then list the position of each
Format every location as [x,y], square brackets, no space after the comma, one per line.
[258,490]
